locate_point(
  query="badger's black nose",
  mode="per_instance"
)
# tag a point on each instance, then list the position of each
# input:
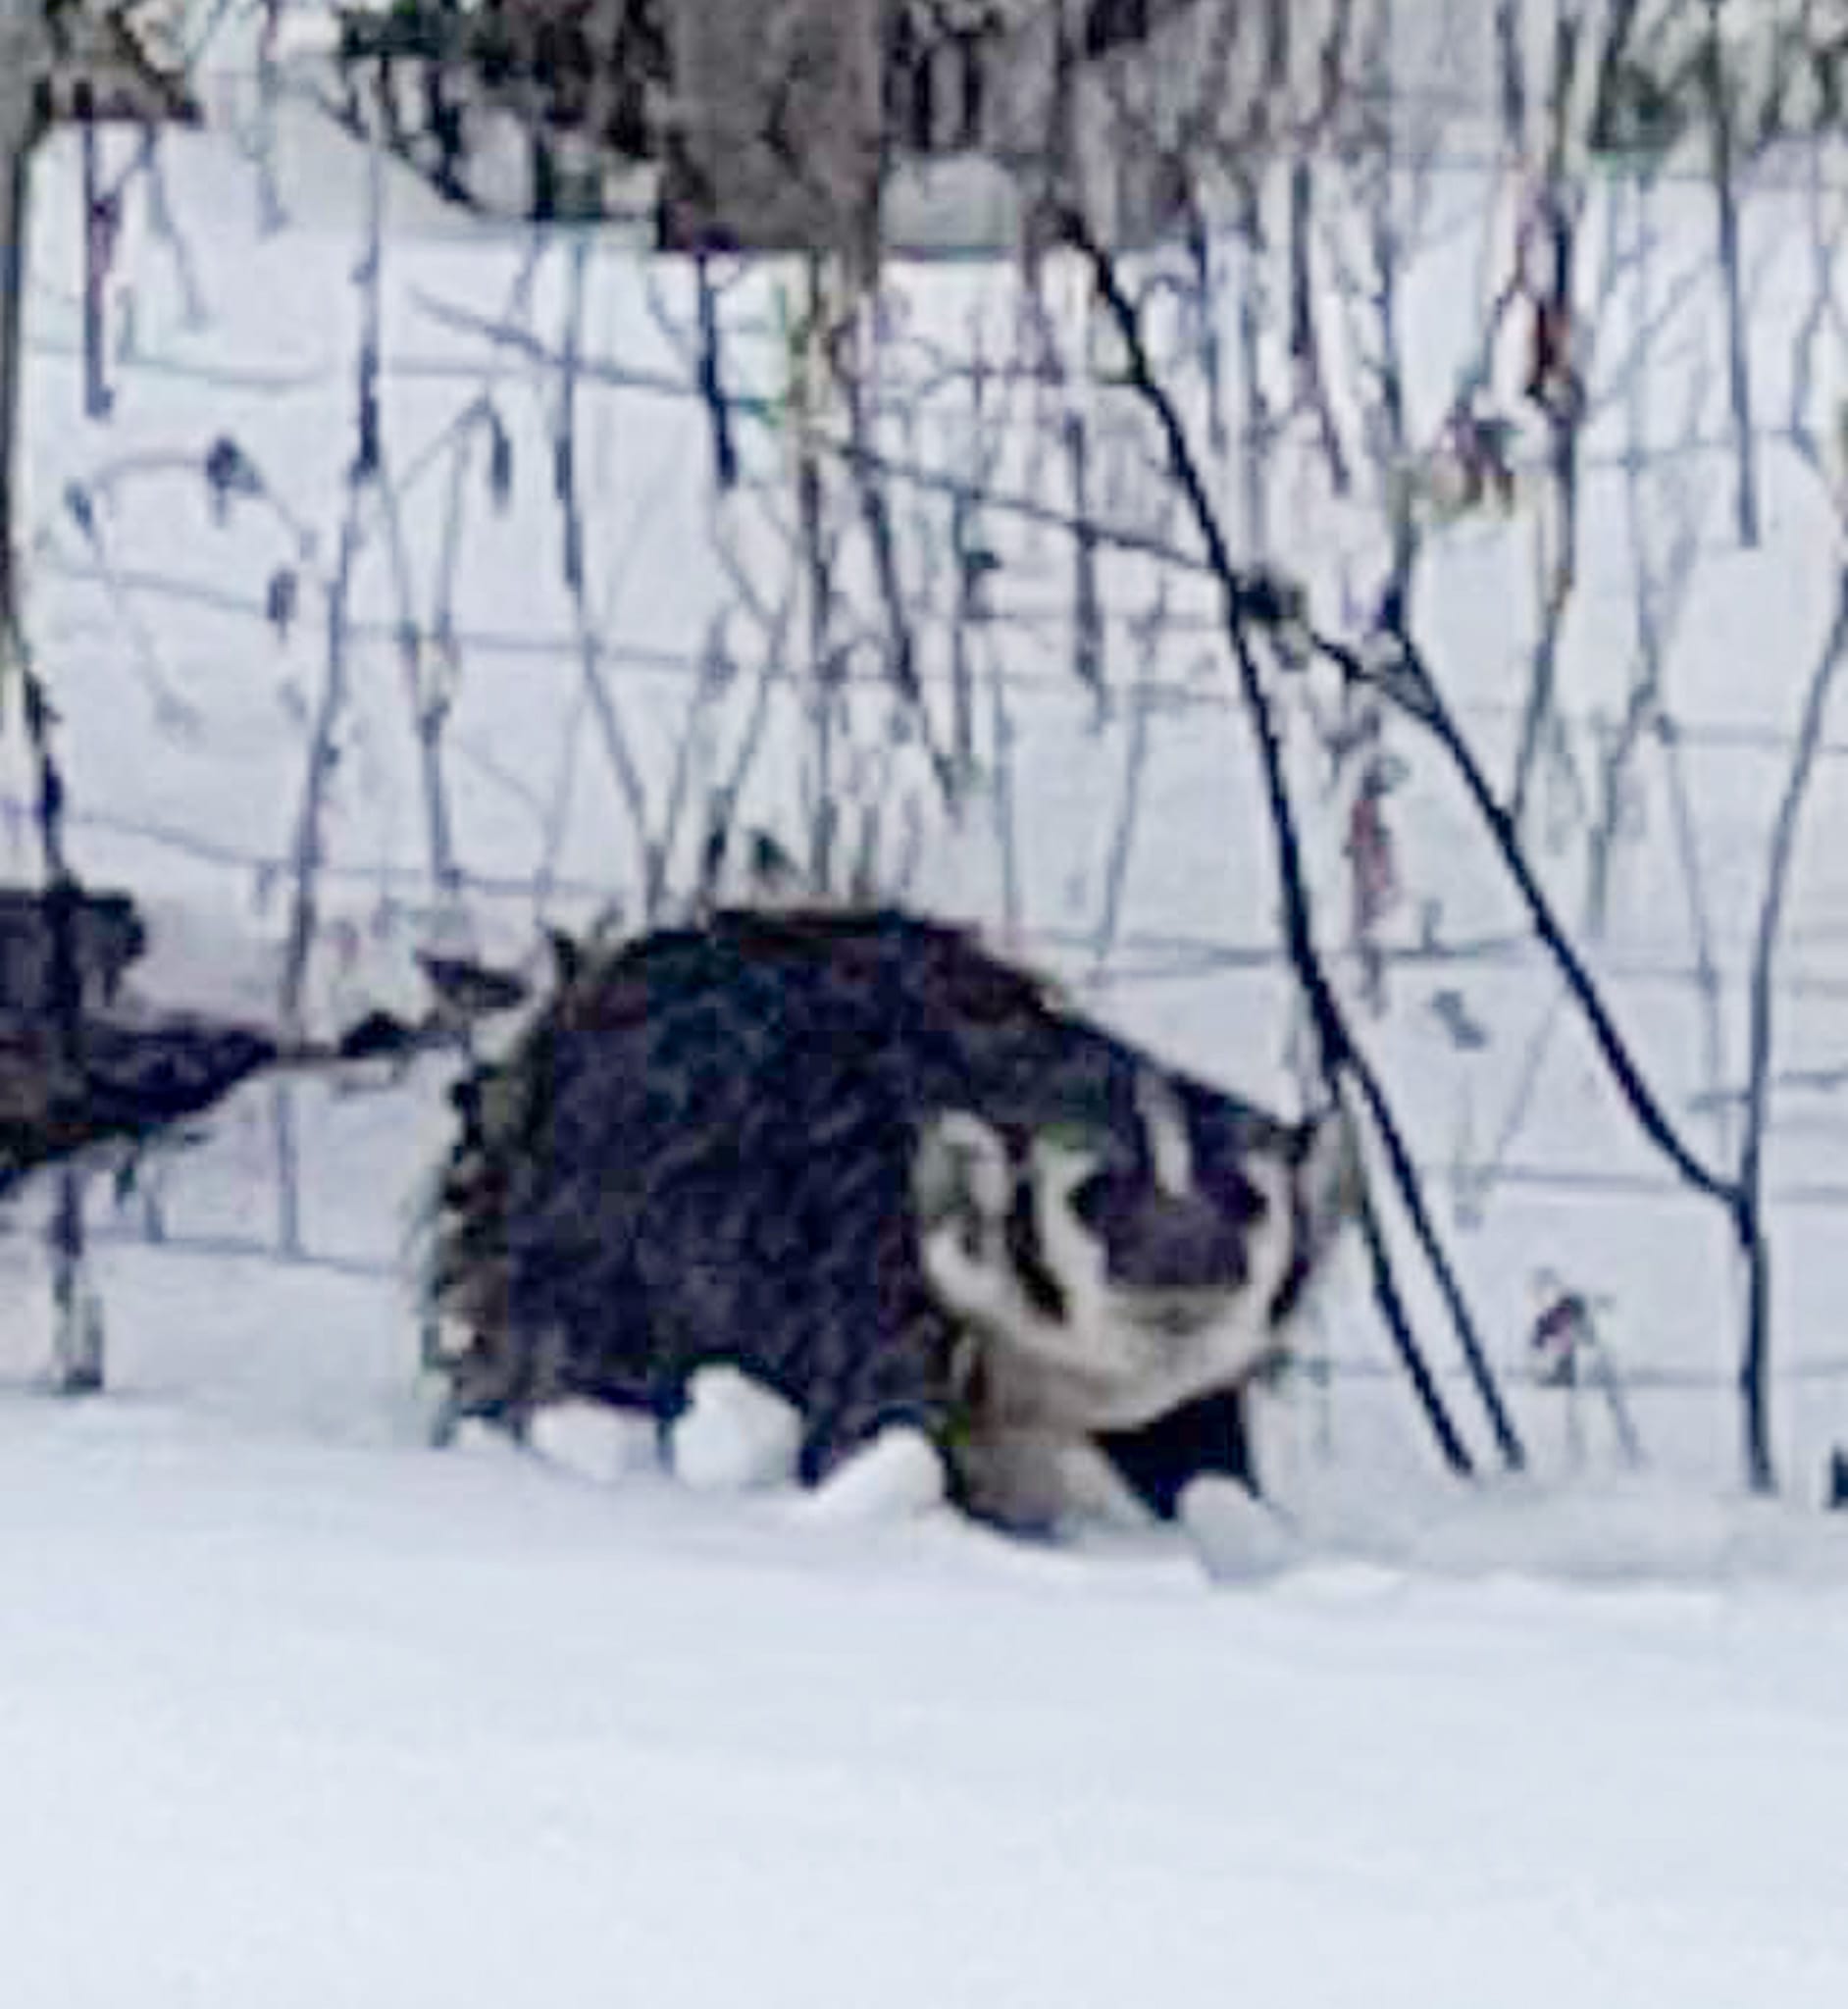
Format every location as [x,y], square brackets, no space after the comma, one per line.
[1178,1242]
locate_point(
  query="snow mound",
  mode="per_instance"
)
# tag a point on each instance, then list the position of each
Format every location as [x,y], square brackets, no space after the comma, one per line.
[896,1475]
[735,1435]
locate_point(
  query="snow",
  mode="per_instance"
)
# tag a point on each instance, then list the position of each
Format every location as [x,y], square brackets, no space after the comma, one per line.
[734,1433]
[1235,1535]
[294,1710]
[894,1476]
[299,1723]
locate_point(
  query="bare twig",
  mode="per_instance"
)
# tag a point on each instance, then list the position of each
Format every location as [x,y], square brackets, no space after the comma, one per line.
[711,379]
[1558,381]
[1410,686]
[1749,1203]
[1726,221]
[603,708]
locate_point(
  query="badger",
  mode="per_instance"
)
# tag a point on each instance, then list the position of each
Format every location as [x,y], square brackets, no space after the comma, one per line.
[864,1162]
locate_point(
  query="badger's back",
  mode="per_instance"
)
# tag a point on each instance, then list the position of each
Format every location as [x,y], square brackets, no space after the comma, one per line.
[755,1010]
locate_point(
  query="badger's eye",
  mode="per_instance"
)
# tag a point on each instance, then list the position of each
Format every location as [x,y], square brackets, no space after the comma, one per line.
[1246,1203]
[1091,1198]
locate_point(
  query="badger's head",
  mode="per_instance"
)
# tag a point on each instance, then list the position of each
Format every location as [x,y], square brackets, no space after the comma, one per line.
[1111,1269]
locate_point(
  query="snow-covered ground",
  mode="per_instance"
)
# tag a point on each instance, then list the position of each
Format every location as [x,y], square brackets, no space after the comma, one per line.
[292,1710]
[297,1722]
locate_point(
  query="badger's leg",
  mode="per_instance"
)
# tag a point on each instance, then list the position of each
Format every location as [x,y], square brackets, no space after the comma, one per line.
[1030,1481]
[1206,1435]
[874,1446]
[500,1378]
[1194,1467]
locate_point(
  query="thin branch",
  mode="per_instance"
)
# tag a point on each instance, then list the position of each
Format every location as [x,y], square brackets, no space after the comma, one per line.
[1089,655]
[603,709]
[876,519]
[1754,1367]
[1306,349]
[1556,381]
[1151,633]
[1727,221]
[1410,686]
[711,379]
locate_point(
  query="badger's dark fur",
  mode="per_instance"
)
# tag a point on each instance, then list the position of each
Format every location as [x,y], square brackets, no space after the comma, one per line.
[884,1172]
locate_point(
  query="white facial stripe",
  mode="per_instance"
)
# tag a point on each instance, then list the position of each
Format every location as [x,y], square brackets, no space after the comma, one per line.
[980,1285]
[1164,1123]
[969,1283]
[960,1156]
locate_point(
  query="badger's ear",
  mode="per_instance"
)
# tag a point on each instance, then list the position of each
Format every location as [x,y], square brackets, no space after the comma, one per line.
[960,1163]
[567,957]
[1330,1178]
